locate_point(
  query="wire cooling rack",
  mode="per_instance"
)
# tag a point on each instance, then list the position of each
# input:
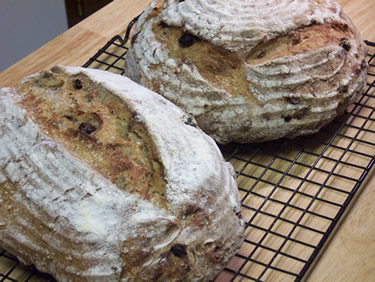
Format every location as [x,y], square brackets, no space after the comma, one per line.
[293,192]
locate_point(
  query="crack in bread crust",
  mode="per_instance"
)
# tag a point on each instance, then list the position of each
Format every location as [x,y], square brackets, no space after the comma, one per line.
[99,128]
[222,68]
[250,72]
[66,216]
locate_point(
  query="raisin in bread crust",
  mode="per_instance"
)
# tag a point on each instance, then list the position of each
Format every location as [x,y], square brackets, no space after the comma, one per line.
[60,214]
[250,71]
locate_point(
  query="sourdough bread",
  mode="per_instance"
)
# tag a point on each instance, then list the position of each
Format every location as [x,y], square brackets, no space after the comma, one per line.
[104,180]
[250,71]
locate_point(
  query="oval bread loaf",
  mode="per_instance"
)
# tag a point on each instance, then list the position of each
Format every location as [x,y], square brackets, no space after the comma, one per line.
[104,180]
[250,71]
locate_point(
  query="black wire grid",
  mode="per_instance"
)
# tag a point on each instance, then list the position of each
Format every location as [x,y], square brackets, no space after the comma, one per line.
[293,192]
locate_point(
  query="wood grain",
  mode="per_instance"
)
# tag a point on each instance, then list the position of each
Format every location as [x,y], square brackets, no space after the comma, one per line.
[362,14]
[350,254]
[75,46]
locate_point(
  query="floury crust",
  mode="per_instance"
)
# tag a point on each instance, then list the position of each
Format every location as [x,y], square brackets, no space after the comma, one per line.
[250,71]
[63,212]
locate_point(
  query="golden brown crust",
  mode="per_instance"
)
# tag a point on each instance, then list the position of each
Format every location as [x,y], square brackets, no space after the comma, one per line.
[300,41]
[222,68]
[82,151]
[99,128]
[251,71]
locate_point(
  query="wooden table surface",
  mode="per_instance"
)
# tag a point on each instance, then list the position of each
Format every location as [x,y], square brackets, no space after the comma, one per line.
[350,253]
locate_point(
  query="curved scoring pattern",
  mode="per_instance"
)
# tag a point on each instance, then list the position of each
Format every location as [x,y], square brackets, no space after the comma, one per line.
[250,71]
[328,63]
[240,25]
[60,213]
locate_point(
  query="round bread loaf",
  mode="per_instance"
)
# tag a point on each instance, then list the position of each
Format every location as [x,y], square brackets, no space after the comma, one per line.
[250,71]
[104,180]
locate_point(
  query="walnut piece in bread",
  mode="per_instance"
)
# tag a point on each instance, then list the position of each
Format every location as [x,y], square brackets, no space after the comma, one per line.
[250,71]
[104,180]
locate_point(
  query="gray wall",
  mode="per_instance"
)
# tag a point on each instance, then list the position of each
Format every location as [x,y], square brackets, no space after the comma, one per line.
[26,25]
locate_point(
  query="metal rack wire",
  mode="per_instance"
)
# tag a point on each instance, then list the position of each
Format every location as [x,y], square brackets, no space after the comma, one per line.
[293,192]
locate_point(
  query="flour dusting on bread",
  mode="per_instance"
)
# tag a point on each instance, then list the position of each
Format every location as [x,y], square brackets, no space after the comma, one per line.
[102,179]
[250,71]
